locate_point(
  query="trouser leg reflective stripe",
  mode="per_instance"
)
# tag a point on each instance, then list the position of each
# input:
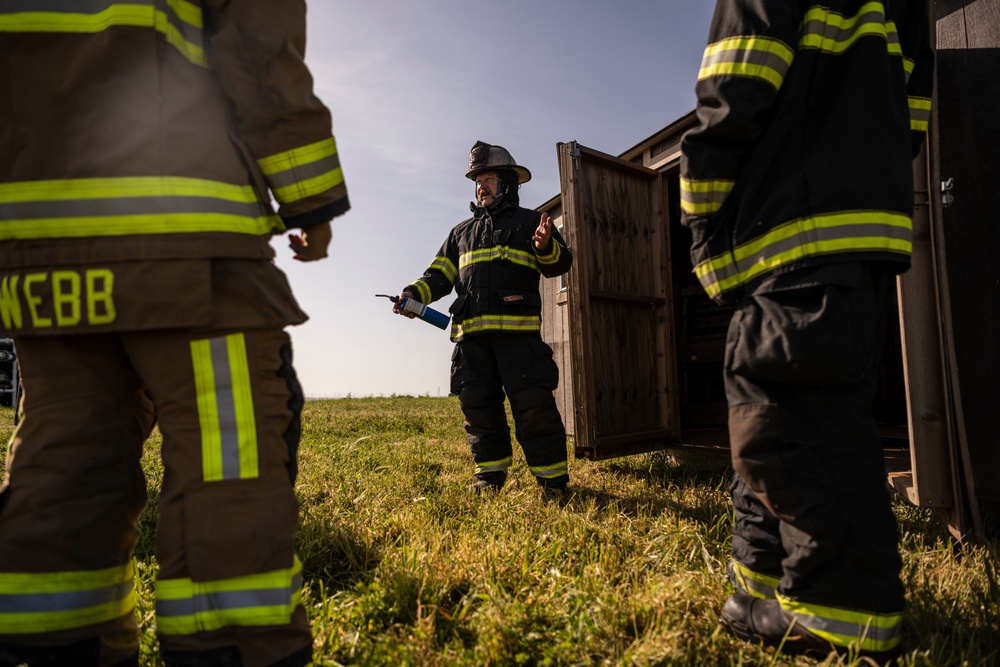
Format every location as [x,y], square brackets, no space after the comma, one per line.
[805,442]
[529,377]
[185,607]
[867,631]
[228,574]
[752,583]
[73,495]
[757,549]
[476,380]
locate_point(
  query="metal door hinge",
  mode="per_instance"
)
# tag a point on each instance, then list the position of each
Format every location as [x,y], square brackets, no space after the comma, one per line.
[946,196]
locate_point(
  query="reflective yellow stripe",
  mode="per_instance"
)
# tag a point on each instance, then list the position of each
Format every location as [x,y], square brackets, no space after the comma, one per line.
[423,291]
[445,266]
[754,57]
[833,33]
[920,113]
[703,197]
[494,466]
[303,172]
[225,408]
[843,627]
[552,256]
[754,583]
[550,471]
[185,607]
[864,231]
[182,27]
[482,323]
[52,601]
[498,253]
[102,207]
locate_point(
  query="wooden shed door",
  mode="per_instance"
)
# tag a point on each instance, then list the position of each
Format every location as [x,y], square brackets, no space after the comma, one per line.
[620,310]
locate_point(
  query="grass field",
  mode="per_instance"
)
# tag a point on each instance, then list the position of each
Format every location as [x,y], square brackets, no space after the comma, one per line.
[404,566]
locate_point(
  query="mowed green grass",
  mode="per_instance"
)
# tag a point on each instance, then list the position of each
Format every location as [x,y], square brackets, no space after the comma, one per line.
[405,566]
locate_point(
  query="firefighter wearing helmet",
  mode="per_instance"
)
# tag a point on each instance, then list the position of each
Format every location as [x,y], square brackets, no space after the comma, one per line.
[494,261]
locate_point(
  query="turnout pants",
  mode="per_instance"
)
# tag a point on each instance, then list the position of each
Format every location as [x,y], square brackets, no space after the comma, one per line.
[814,525]
[485,368]
[228,586]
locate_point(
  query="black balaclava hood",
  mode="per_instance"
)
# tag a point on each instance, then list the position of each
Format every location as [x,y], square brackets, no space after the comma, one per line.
[507,191]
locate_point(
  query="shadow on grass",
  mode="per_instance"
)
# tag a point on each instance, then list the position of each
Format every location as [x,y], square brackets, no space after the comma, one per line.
[334,555]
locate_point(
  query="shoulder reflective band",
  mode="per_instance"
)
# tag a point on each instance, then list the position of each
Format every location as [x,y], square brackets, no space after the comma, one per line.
[186,607]
[225,408]
[303,172]
[855,231]
[843,627]
[920,113]
[703,197]
[53,601]
[180,23]
[753,57]
[97,207]
[484,323]
[550,471]
[828,31]
[497,253]
[494,466]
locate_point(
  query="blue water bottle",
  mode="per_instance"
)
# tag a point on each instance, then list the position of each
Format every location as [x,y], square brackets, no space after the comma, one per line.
[440,320]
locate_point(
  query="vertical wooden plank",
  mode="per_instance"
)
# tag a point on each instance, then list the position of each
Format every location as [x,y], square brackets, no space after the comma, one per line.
[923,362]
[579,311]
[555,331]
[968,105]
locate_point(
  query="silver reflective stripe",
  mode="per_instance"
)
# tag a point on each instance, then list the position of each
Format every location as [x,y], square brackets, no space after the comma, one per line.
[223,601]
[709,200]
[190,33]
[299,173]
[830,32]
[127,206]
[556,470]
[26,603]
[493,466]
[444,265]
[750,56]
[68,6]
[846,628]
[803,238]
[226,405]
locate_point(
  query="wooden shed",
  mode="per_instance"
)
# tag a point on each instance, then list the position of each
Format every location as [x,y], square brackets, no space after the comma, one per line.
[640,346]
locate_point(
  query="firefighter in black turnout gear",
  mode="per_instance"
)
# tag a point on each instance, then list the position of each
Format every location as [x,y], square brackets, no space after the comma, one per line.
[797,186]
[493,261]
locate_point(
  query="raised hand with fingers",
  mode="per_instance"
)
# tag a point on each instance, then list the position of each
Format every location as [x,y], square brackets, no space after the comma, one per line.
[543,233]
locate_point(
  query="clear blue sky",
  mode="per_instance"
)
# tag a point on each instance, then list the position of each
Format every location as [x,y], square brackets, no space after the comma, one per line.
[412,85]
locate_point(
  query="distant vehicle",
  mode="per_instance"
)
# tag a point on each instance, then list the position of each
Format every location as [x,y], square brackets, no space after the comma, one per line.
[10,382]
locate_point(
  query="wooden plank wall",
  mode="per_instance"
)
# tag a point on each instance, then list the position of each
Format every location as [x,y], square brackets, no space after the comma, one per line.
[968,50]
[630,385]
[555,332]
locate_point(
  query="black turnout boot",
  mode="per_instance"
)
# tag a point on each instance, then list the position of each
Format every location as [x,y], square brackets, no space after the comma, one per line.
[554,489]
[491,482]
[760,621]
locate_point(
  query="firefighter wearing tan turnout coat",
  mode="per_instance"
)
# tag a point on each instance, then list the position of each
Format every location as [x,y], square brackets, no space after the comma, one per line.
[140,145]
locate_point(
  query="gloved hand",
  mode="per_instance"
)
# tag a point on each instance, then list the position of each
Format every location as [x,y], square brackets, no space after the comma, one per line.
[312,244]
